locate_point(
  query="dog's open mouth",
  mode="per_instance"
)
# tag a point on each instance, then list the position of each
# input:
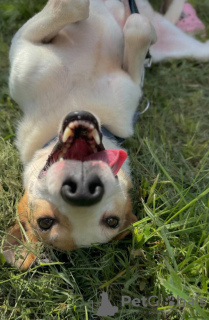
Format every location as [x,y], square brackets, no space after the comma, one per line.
[81,139]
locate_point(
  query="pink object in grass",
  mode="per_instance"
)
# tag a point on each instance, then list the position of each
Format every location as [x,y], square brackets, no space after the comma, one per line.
[189,22]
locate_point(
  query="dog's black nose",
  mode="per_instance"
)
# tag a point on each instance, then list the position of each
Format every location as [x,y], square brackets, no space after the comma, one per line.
[83,192]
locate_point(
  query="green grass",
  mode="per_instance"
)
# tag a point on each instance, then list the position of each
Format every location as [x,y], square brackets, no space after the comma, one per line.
[168,253]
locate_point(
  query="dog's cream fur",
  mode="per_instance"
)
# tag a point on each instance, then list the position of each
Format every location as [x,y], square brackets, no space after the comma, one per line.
[75,55]
[82,55]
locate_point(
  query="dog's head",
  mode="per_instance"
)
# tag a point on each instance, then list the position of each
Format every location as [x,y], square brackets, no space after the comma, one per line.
[77,196]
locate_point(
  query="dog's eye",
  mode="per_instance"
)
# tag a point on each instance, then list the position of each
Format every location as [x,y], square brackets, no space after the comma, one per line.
[112,222]
[45,223]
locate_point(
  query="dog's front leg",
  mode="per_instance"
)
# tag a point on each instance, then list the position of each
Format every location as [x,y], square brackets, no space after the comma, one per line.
[139,34]
[55,16]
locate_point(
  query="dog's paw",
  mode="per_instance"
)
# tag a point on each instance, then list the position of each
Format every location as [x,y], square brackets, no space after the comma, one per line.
[75,10]
[139,30]
[81,9]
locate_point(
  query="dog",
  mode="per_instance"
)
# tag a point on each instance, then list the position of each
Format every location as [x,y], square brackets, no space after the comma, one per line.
[76,70]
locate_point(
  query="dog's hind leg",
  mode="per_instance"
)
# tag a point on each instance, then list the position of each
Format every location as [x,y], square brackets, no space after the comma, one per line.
[175,44]
[174,11]
[172,43]
[139,34]
[54,16]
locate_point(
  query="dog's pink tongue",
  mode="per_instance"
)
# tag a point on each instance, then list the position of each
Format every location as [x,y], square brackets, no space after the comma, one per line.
[114,158]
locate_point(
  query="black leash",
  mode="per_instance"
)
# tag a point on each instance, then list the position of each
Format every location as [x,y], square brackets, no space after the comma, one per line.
[133,7]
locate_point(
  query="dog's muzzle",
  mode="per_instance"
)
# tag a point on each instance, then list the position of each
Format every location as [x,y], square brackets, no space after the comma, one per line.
[80,139]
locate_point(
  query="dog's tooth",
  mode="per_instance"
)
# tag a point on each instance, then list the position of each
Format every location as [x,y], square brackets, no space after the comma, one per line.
[91,126]
[71,125]
[60,158]
[68,132]
[88,125]
[95,135]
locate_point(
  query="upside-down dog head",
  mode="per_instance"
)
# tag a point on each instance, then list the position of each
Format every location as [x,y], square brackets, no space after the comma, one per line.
[77,196]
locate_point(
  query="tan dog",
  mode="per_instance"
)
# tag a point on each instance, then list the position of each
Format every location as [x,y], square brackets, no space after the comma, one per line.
[75,66]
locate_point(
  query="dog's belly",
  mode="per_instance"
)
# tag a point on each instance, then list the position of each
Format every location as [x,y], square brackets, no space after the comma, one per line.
[80,53]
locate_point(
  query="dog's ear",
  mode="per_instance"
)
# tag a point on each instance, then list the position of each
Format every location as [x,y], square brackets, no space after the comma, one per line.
[129,219]
[20,239]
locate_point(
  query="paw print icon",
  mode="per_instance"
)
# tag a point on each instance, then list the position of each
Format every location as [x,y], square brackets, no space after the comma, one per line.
[170,301]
